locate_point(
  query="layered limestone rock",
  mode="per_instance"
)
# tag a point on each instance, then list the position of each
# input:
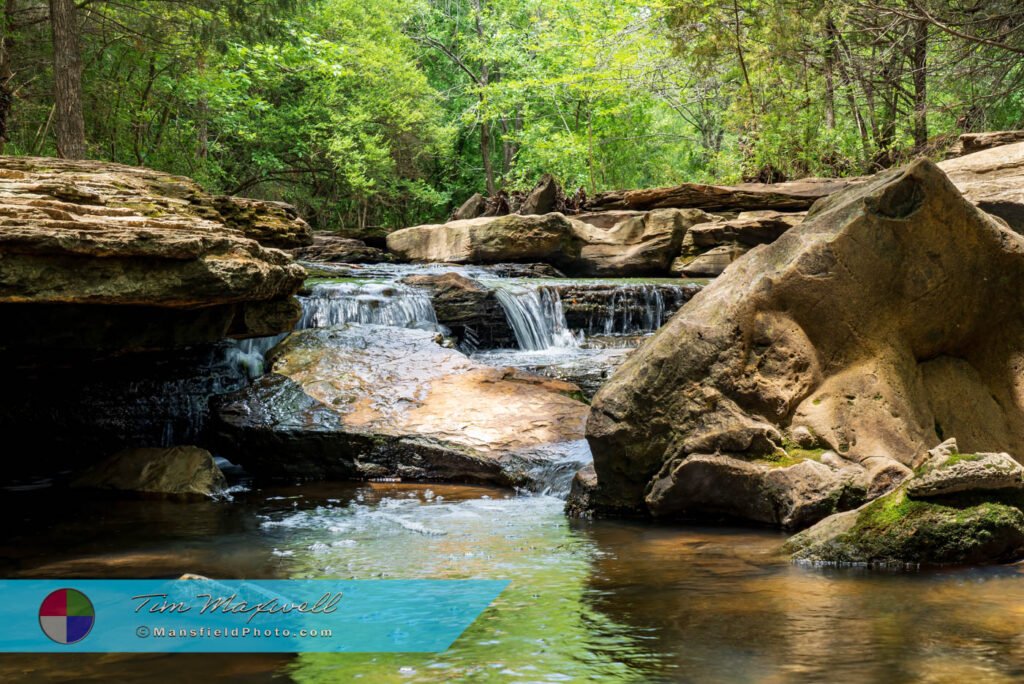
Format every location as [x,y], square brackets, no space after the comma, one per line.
[969,143]
[790,196]
[332,248]
[96,255]
[371,401]
[867,330]
[606,244]
[993,179]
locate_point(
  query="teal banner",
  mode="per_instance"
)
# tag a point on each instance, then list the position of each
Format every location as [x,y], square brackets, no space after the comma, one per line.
[235,616]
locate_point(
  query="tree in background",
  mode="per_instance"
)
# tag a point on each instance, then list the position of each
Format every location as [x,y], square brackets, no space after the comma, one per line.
[370,116]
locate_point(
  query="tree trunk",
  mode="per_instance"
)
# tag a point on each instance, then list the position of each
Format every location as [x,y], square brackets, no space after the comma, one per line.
[69,123]
[920,61]
[6,74]
[830,88]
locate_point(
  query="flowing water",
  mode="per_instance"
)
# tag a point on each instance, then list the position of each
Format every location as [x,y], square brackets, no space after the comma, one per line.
[536,316]
[376,303]
[589,600]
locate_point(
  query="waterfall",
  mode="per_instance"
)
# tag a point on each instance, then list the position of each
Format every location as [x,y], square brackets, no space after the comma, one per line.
[622,308]
[383,304]
[635,309]
[247,356]
[536,317]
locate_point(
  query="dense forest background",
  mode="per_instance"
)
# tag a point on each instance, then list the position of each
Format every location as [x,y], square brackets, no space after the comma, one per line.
[390,112]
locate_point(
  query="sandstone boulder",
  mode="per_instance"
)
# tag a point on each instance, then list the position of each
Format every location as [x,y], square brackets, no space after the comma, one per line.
[709,264]
[966,473]
[612,244]
[486,240]
[638,243]
[127,258]
[371,401]
[180,471]
[868,326]
[993,179]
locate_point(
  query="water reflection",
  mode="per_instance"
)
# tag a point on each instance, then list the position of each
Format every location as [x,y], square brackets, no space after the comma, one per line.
[600,601]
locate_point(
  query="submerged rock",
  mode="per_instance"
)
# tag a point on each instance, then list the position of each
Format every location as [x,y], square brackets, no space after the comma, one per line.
[866,330]
[180,471]
[372,401]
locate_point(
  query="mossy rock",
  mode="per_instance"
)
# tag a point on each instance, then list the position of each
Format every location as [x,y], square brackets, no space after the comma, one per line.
[897,530]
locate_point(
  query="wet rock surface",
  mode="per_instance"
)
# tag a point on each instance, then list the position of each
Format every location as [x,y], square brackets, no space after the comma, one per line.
[856,327]
[185,471]
[468,309]
[372,401]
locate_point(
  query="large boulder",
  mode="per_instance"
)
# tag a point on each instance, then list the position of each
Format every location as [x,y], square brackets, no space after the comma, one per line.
[489,239]
[887,321]
[471,208]
[638,243]
[186,471]
[605,244]
[372,401]
[993,179]
[98,255]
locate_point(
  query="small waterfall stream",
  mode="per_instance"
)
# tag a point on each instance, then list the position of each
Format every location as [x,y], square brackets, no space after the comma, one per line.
[391,304]
[536,316]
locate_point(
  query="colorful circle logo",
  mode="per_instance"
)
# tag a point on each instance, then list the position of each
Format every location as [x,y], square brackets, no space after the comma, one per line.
[66,616]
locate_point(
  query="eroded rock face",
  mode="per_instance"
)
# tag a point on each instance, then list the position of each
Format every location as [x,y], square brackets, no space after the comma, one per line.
[968,143]
[855,331]
[179,471]
[371,401]
[332,248]
[104,247]
[609,244]
[993,179]
[468,309]
[791,196]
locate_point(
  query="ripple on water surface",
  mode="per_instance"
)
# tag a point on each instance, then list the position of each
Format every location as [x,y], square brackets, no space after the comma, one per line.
[600,601]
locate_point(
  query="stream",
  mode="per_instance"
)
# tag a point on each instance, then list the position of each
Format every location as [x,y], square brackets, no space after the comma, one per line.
[589,600]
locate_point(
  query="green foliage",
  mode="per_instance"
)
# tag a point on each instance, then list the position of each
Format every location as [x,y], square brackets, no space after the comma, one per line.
[371,116]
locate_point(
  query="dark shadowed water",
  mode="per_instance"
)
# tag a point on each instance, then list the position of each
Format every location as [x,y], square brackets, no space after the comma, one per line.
[589,601]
